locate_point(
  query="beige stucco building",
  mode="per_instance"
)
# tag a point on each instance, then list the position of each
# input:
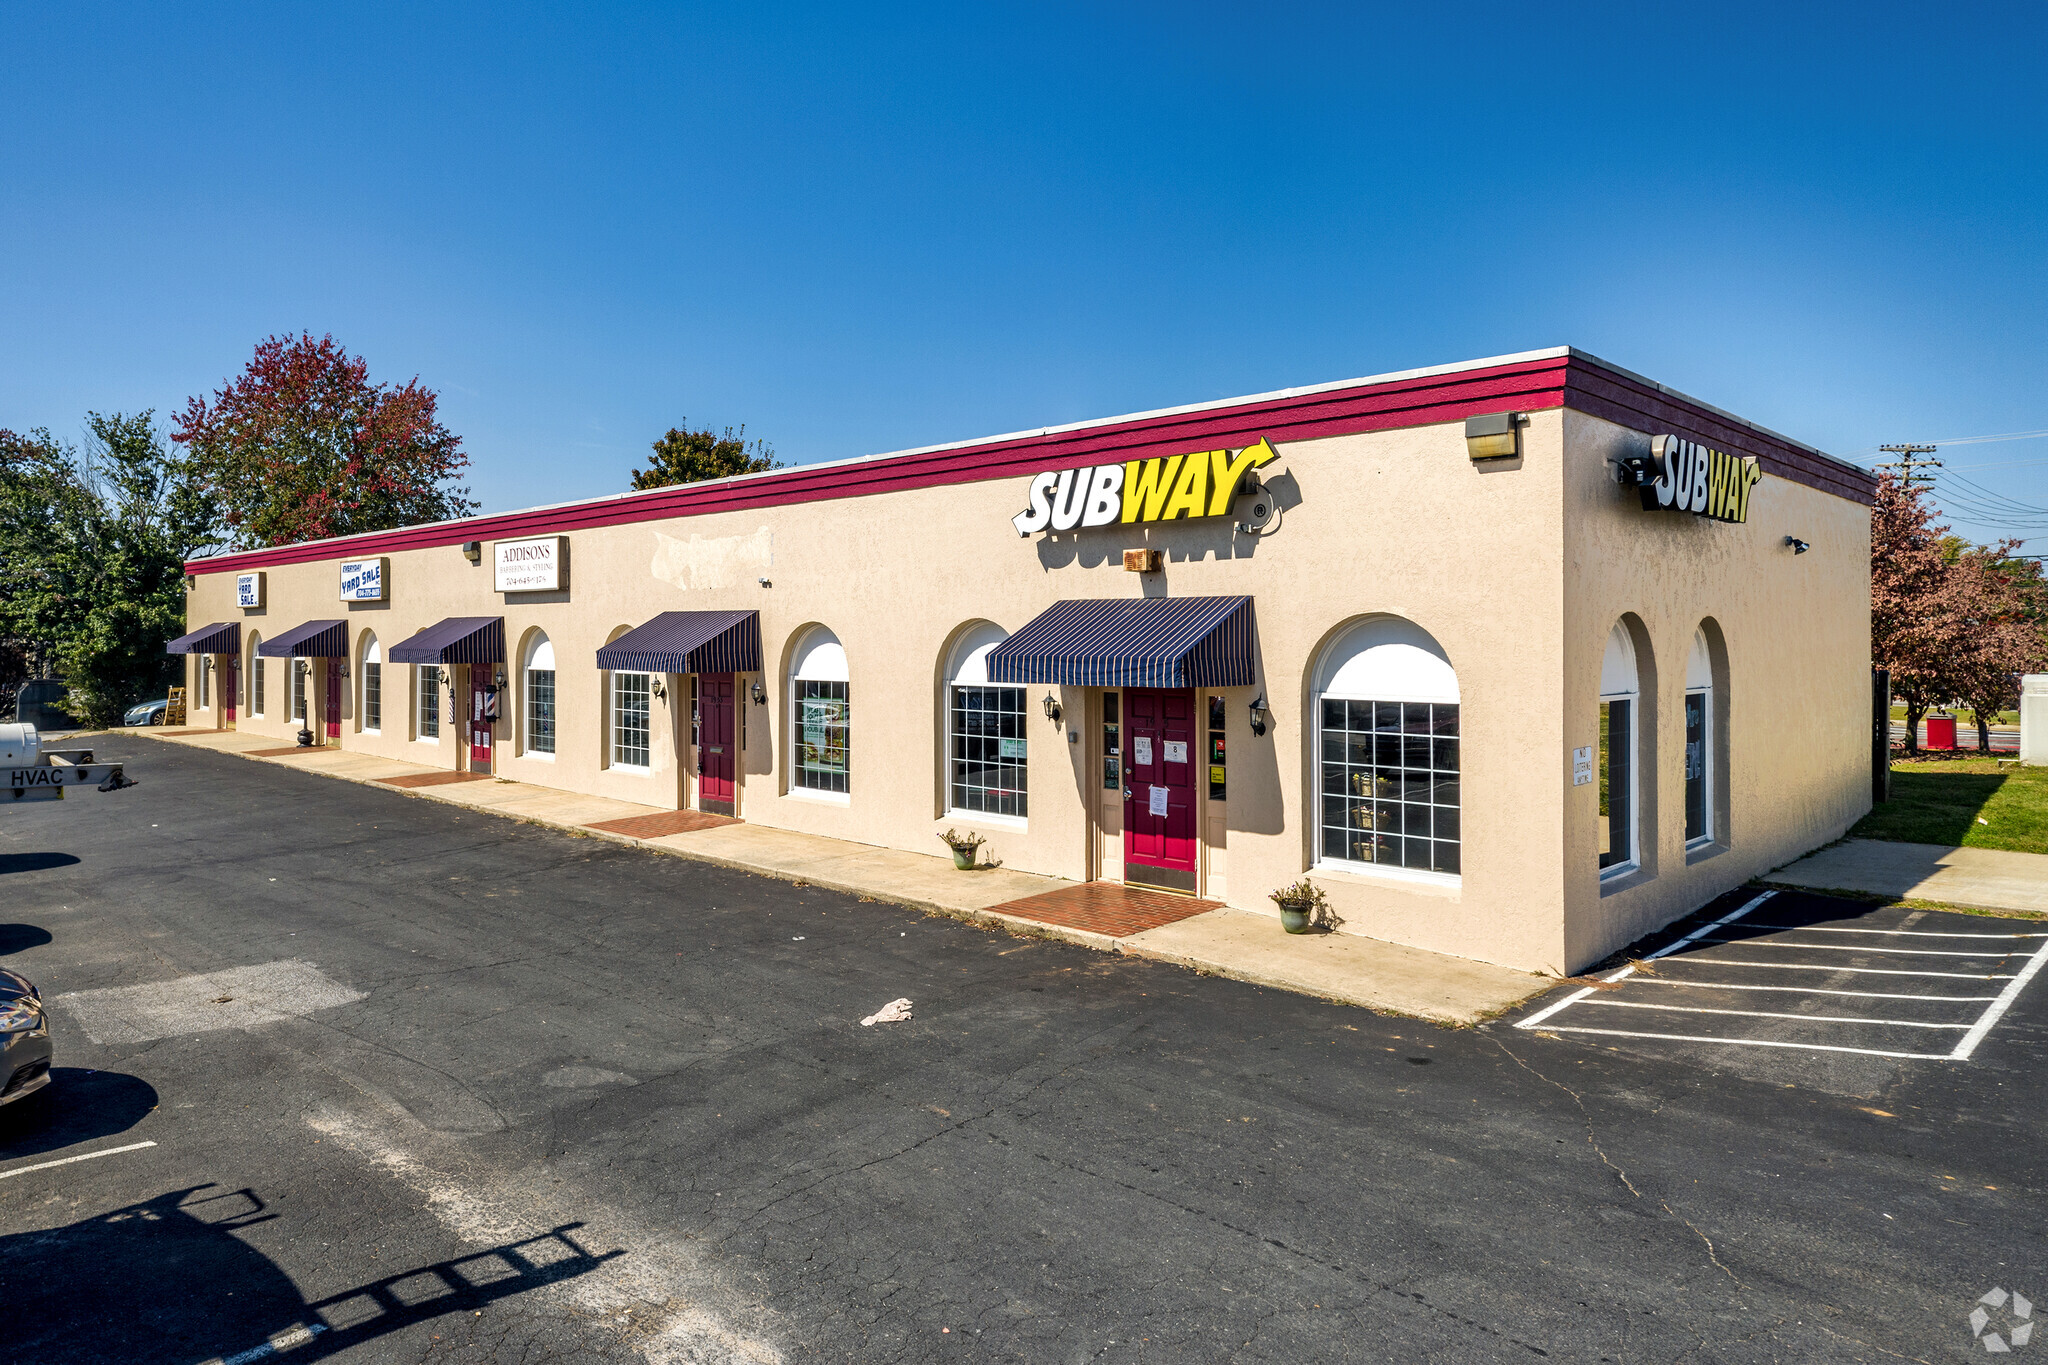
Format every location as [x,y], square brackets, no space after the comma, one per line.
[1459,668]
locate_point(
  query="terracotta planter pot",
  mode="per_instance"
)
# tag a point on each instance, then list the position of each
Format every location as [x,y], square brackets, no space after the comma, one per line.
[1294,917]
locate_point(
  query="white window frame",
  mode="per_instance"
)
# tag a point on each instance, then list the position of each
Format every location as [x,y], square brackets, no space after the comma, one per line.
[257,681]
[970,670]
[822,659]
[426,690]
[1393,660]
[203,666]
[373,658]
[1699,682]
[646,684]
[540,658]
[1617,684]
[300,701]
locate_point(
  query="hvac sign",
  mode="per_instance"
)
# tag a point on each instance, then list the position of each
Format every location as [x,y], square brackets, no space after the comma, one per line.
[1692,478]
[1163,488]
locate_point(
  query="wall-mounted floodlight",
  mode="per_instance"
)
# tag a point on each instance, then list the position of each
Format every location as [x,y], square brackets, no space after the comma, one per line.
[1495,436]
[1799,547]
[473,551]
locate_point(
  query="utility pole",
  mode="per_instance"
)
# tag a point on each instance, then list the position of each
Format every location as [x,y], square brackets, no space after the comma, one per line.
[1910,458]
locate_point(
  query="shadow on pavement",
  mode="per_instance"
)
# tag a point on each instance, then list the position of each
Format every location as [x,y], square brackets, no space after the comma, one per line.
[167,1280]
[15,938]
[35,862]
[76,1106]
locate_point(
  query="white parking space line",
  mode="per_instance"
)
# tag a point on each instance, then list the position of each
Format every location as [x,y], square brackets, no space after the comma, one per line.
[1767,1014]
[1999,1007]
[1862,971]
[66,1161]
[1863,948]
[1813,990]
[1754,1042]
[2024,951]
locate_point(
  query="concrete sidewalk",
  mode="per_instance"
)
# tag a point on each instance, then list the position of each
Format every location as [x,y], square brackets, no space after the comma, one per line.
[1981,878]
[1245,945]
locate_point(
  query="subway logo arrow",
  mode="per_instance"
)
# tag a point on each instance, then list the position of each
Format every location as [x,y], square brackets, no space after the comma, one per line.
[1163,488]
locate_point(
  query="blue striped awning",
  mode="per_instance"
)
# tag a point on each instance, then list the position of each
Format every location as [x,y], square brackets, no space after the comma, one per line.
[314,640]
[1141,642]
[222,637]
[457,640]
[689,642]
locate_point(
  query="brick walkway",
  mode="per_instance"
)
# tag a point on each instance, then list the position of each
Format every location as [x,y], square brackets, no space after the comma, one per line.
[433,779]
[668,822]
[1106,908]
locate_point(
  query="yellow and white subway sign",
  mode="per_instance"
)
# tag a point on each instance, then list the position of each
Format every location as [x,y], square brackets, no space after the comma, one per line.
[1163,488]
[1705,482]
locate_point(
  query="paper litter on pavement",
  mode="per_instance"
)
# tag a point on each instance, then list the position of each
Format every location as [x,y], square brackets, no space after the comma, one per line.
[895,1012]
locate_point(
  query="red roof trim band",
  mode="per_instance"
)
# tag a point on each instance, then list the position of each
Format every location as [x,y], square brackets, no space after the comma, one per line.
[1549,380]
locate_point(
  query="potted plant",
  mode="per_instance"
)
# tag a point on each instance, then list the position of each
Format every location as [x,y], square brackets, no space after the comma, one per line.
[964,847]
[1302,906]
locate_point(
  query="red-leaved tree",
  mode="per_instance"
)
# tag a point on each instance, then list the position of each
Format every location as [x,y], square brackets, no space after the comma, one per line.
[302,446]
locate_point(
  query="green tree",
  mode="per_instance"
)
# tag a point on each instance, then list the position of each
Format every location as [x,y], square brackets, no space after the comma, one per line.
[693,456]
[92,555]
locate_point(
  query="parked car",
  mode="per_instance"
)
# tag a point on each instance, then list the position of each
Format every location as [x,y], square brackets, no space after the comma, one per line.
[24,1038]
[41,703]
[146,713]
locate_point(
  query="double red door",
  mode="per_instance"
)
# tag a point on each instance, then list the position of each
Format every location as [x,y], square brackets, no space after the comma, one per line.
[482,717]
[1161,754]
[716,747]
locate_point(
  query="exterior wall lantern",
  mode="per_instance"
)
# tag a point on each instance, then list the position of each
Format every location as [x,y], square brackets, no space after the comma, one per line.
[655,687]
[1495,436]
[1260,714]
[759,693]
[1052,709]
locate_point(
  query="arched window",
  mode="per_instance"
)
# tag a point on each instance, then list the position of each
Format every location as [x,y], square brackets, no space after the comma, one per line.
[1699,743]
[1387,732]
[372,670]
[256,662]
[539,696]
[1619,704]
[985,739]
[820,722]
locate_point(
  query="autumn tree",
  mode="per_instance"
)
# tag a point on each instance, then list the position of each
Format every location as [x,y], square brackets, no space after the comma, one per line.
[685,456]
[302,446]
[1999,598]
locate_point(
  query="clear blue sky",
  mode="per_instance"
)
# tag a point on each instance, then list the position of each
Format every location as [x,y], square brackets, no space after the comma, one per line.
[856,229]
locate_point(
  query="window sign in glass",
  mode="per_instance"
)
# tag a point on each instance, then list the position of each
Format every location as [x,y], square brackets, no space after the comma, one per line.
[989,750]
[821,738]
[1112,747]
[1216,714]
[1617,783]
[1698,825]
[1390,784]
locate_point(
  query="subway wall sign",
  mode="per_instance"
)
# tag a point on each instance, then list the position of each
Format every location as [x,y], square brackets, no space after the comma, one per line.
[1692,478]
[1164,488]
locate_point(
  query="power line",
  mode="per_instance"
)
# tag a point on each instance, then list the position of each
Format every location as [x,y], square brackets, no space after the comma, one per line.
[1908,459]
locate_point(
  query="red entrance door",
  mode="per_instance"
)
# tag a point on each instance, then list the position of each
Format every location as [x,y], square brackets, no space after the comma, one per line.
[483,714]
[333,706]
[715,747]
[1160,758]
[231,691]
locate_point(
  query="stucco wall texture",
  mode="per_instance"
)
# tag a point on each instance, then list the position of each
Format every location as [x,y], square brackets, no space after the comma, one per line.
[1518,568]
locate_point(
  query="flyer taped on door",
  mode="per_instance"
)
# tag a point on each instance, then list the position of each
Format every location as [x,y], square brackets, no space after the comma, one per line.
[1142,744]
[1158,802]
[1176,751]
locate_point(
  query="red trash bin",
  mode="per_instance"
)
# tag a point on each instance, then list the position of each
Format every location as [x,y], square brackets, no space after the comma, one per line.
[1941,732]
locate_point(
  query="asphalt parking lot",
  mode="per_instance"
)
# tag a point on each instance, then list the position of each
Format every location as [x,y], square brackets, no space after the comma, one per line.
[377,1078]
